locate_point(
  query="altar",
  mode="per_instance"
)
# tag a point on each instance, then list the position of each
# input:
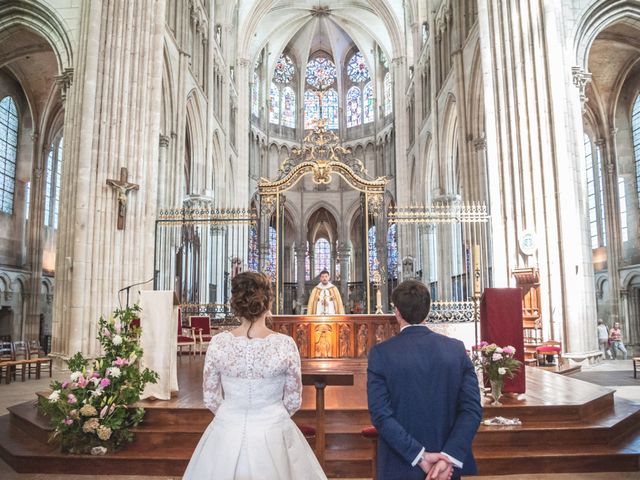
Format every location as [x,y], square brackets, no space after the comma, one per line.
[336,336]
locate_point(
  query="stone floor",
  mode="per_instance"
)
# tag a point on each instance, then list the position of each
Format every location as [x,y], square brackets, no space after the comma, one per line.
[18,392]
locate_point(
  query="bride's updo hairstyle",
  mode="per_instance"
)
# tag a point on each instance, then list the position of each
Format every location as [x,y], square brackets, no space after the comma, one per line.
[251,295]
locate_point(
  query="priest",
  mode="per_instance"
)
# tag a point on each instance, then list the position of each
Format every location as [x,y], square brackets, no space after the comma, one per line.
[325,298]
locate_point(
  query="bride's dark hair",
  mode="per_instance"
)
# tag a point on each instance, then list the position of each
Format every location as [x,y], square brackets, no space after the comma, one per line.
[251,296]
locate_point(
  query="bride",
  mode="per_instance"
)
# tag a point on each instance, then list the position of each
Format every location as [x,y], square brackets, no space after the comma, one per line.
[252,383]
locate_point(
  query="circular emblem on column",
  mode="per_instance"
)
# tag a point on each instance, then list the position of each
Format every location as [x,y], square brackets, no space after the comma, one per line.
[528,242]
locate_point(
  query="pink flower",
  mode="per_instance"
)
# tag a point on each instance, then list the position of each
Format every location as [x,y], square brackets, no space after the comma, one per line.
[496,357]
[106,332]
[509,350]
[67,421]
[105,382]
[65,385]
[120,362]
[82,382]
[483,343]
[71,398]
[96,375]
[103,412]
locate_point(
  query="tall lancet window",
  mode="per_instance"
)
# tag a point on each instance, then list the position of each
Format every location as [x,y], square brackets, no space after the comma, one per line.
[320,77]
[322,255]
[595,196]
[373,252]
[8,153]
[392,250]
[282,97]
[255,95]
[635,129]
[388,97]
[359,100]
[270,264]
[52,183]
[252,254]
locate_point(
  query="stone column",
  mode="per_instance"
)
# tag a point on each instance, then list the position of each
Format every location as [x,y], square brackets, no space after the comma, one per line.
[533,133]
[300,264]
[345,272]
[112,119]
[612,222]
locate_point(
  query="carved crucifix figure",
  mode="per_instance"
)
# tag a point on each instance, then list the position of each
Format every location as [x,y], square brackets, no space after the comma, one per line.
[122,188]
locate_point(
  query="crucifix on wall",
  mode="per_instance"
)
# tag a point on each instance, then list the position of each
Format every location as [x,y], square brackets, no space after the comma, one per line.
[122,188]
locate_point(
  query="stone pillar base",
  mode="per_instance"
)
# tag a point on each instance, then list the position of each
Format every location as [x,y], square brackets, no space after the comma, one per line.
[583,358]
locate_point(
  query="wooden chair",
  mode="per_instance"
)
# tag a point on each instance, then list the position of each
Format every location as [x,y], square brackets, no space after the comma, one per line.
[636,365]
[201,326]
[547,352]
[38,359]
[22,358]
[186,338]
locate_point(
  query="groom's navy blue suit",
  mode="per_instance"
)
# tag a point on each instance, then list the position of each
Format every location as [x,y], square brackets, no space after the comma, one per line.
[423,392]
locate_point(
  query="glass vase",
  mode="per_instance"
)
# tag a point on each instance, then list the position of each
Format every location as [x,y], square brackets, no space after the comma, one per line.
[496,391]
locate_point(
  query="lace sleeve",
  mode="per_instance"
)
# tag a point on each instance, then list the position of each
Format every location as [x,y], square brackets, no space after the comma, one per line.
[293,379]
[211,381]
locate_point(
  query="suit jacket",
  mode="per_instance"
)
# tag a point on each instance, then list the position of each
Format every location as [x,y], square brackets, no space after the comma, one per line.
[422,392]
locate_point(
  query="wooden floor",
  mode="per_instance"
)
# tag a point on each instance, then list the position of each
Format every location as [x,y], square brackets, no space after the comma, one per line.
[568,426]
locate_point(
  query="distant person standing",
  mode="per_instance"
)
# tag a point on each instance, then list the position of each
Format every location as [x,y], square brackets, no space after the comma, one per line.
[615,336]
[603,339]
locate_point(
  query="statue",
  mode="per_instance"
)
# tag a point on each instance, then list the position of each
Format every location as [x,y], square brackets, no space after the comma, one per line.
[363,333]
[379,333]
[345,333]
[301,340]
[323,341]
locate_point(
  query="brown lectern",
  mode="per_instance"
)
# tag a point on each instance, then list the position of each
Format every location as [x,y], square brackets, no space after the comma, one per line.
[320,379]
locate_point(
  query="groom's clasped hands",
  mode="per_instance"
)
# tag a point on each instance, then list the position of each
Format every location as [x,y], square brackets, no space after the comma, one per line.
[436,465]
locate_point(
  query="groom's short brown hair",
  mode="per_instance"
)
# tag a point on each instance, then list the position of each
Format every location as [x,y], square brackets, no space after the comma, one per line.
[413,300]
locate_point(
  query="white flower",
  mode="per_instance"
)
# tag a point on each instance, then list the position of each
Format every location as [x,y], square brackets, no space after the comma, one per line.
[496,357]
[113,372]
[75,376]
[55,396]
[117,340]
[502,370]
[498,350]
[95,381]
[97,392]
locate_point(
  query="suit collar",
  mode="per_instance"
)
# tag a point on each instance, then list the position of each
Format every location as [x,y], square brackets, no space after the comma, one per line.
[420,328]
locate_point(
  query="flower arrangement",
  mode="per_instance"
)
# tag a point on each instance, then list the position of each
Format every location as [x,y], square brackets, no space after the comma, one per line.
[496,363]
[92,411]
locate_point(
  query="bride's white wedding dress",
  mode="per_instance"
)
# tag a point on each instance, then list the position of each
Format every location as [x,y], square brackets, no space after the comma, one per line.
[253,386]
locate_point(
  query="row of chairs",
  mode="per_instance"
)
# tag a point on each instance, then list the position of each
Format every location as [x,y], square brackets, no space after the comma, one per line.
[28,358]
[195,335]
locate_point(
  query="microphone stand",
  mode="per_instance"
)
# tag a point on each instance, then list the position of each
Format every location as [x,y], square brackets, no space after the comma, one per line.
[128,288]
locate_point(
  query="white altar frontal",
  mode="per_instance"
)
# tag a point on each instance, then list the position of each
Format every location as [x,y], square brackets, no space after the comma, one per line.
[159,324]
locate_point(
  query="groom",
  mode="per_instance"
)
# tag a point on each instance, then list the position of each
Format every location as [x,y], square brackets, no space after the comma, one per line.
[424,397]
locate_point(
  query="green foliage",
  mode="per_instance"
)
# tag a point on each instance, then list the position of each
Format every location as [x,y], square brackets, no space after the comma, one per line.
[94,407]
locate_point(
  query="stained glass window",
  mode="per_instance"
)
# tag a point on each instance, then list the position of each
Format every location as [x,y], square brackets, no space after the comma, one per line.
[635,133]
[321,72]
[274,104]
[373,253]
[354,107]
[252,262]
[368,103]
[255,96]
[307,264]
[8,151]
[330,109]
[322,255]
[591,193]
[284,70]
[388,100]
[392,251]
[311,109]
[27,199]
[52,184]
[288,107]
[622,196]
[270,264]
[357,70]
